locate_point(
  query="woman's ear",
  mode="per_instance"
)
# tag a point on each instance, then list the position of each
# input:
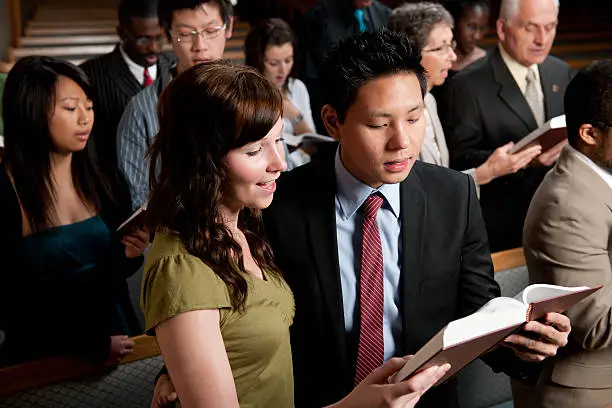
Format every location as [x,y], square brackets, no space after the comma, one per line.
[330,120]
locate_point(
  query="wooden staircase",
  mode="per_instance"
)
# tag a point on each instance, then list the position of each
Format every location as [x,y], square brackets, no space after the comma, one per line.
[75,32]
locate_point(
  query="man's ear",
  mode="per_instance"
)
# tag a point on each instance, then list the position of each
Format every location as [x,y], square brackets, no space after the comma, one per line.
[330,120]
[230,28]
[589,134]
[120,32]
[500,25]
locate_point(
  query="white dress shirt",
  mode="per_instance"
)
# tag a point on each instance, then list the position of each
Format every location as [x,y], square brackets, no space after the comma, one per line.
[136,69]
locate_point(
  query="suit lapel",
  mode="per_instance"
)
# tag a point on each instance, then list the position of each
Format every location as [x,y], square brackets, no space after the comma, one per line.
[509,91]
[413,202]
[121,74]
[320,213]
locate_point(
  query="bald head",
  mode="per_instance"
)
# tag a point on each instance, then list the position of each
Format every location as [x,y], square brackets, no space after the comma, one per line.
[527,29]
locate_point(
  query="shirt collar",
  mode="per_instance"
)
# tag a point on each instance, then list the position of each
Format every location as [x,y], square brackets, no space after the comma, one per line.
[605,175]
[518,70]
[352,193]
[136,69]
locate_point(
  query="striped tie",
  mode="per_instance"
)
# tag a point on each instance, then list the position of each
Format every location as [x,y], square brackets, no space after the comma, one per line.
[371,348]
[147,78]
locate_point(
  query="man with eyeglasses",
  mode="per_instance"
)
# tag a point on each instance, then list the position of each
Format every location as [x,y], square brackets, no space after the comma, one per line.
[500,99]
[198,31]
[116,77]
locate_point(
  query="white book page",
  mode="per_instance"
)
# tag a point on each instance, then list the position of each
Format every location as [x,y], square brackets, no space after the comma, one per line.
[495,315]
[541,291]
[134,215]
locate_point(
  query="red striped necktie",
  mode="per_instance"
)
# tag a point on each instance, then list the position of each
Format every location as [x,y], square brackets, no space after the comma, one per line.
[147,78]
[371,347]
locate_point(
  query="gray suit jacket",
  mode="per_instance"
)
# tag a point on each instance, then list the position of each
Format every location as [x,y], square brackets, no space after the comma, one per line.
[567,239]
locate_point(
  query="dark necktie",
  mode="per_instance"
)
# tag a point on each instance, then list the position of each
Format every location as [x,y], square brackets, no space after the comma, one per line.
[371,347]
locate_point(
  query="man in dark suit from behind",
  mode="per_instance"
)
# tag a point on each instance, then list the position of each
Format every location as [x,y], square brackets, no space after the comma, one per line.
[324,25]
[501,99]
[116,77]
[365,294]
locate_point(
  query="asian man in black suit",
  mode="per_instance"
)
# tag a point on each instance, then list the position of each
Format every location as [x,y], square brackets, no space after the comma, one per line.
[116,77]
[501,99]
[380,250]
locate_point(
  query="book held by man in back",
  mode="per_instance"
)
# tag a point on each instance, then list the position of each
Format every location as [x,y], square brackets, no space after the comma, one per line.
[466,339]
[548,135]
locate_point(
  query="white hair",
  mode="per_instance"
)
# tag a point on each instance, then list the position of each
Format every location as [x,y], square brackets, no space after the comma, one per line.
[509,9]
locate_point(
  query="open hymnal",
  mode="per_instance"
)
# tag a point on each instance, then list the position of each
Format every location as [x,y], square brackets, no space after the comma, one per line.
[548,135]
[466,339]
[137,219]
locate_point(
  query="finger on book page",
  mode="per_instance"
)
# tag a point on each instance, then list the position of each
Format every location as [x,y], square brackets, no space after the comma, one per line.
[421,381]
[382,373]
[558,321]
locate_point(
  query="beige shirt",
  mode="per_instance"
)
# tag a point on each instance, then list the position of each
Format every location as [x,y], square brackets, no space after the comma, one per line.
[607,177]
[519,71]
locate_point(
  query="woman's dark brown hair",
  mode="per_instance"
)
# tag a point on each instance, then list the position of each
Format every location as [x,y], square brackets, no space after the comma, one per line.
[204,113]
[272,31]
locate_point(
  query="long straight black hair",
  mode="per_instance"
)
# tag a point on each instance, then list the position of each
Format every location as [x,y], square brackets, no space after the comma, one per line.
[28,101]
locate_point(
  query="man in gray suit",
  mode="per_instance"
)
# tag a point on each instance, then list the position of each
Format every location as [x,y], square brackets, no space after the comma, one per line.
[501,99]
[567,242]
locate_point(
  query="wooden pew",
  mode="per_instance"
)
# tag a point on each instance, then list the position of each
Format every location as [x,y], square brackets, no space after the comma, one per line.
[510,259]
[89,51]
[51,370]
[57,31]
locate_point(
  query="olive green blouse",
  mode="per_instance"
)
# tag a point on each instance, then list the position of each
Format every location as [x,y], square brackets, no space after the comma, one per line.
[256,340]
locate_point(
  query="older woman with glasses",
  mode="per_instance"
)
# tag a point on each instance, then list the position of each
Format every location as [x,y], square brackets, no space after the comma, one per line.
[430,27]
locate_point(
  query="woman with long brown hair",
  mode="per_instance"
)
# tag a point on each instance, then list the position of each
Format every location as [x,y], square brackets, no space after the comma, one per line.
[211,292]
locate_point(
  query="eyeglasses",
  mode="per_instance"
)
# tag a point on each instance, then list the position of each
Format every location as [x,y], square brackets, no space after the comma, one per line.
[186,37]
[145,40]
[444,49]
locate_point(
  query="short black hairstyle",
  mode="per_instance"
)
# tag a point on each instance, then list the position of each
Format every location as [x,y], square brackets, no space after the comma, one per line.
[166,9]
[363,57]
[457,9]
[588,99]
[136,8]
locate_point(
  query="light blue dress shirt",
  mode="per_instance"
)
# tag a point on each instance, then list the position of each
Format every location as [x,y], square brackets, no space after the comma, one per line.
[351,194]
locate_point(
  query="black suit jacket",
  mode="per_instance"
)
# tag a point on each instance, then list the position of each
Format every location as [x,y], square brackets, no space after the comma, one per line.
[481,109]
[330,21]
[446,272]
[114,87]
